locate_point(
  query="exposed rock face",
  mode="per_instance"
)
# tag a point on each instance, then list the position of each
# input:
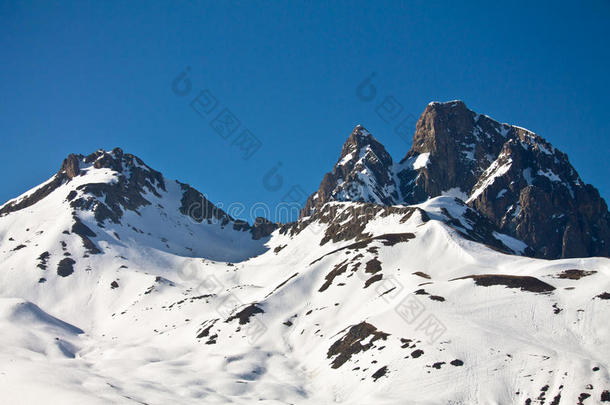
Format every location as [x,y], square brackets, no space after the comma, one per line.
[199,208]
[262,227]
[363,173]
[71,166]
[108,200]
[532,192]
[451,148]
[514,178]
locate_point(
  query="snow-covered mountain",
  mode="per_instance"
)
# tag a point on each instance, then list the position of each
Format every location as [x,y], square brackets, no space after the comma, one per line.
[118,285]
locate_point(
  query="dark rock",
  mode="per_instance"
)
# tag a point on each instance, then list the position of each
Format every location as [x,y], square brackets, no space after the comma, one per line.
[351,343]
[65,267]
[380,373]
[199,208]
[85,233]
[336,271]
[575,274]
[405,343]
[262,228]
[245,314]
[71,166]
[525,283]
[43,258]
[374,279]
[373,266]
[556,400]
[205,331]
[582,397]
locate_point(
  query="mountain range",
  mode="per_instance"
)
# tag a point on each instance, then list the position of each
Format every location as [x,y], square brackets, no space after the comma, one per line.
[474,270]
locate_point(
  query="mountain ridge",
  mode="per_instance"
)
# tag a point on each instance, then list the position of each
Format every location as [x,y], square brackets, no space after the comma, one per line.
[119,285]
[518,181]
[511,175]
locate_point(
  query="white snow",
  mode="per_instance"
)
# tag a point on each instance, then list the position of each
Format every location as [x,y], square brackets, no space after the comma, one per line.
[550,174]
[495,170]
[455,192]
[419,161]
[346,159]
[515,244]
[75,339]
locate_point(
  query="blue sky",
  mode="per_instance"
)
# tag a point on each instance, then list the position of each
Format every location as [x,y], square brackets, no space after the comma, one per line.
[78,76]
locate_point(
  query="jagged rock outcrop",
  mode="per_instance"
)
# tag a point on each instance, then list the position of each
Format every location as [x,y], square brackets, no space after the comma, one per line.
[513,177]
[363,173]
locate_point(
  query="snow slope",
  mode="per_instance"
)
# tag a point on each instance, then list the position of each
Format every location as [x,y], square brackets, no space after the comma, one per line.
[356,304]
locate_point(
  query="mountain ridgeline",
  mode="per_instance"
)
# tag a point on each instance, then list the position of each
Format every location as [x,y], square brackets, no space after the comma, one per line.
[513,177]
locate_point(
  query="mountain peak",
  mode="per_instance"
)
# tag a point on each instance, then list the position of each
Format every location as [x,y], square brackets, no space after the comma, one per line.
[360,133]
[359,138]
[459,104]
[115,193]
[362,173]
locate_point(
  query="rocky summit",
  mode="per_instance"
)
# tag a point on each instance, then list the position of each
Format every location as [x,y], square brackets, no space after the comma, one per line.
[513,177]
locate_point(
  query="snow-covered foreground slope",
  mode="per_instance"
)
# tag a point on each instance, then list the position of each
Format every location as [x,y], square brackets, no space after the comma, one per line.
[359,304]
[116,287]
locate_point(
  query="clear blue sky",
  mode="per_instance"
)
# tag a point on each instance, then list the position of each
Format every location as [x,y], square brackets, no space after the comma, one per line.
[78,76]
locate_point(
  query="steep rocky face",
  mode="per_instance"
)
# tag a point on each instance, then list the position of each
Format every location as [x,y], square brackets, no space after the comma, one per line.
[531,191]
[514,178]
[363,173]
[451,147]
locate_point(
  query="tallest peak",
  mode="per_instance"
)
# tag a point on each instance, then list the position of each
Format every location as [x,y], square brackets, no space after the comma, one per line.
[452,103]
